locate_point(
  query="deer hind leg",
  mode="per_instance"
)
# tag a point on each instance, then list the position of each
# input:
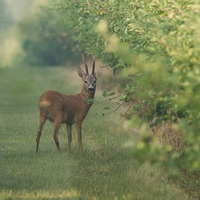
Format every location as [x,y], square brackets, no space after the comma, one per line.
[39,133]
[57,125]
[69,135]
[79,136]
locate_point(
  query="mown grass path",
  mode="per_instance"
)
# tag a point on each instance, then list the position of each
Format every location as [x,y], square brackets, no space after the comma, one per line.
[106,171]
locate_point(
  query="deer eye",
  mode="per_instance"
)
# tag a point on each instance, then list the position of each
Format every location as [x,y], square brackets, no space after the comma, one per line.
[85,81]
[94,81]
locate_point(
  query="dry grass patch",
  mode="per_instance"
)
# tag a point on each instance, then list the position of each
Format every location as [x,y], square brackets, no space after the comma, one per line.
[167,135]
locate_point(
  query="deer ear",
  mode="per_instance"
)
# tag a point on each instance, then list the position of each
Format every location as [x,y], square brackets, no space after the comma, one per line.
[81,73]
[98,73]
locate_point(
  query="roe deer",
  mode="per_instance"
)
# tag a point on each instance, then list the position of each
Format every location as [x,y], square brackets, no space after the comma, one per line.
[68,109]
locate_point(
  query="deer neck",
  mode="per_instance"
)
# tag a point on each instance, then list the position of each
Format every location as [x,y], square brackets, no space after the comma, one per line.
[87,96]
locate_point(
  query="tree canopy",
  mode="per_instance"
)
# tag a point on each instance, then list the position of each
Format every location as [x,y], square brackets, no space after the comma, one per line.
[156,47]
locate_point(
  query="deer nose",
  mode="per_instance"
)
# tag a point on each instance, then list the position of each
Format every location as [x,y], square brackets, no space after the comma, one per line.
[91,89]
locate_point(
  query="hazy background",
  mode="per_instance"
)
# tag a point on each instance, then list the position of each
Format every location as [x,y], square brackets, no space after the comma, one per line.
[33,34]
[11,12]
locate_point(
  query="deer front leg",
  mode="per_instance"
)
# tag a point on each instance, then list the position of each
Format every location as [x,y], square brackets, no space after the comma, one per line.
[69,135]
[79,136]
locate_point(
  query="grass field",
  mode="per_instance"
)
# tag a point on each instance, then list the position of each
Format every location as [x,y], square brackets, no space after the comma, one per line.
[106,171]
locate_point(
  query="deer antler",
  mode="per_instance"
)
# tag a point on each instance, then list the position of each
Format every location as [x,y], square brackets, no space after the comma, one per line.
[86,66]
[93,66]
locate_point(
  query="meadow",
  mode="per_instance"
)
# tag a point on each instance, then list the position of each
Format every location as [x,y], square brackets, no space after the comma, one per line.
[107,169]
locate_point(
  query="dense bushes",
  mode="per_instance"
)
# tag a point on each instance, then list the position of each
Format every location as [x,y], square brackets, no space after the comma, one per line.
[46,40]
[156,46]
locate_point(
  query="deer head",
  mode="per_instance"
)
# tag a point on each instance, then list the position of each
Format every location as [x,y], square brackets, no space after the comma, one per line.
[90,79]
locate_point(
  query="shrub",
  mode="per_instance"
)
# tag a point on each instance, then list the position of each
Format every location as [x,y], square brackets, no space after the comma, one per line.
[45,40]
[156,47]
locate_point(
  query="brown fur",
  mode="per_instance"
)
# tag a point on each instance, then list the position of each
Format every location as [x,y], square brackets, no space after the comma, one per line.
[69,109]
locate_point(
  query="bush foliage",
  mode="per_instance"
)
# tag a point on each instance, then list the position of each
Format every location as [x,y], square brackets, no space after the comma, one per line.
[45,40]
[155,47]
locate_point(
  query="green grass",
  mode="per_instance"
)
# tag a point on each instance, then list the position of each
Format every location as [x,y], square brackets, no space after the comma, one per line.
[106,171]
